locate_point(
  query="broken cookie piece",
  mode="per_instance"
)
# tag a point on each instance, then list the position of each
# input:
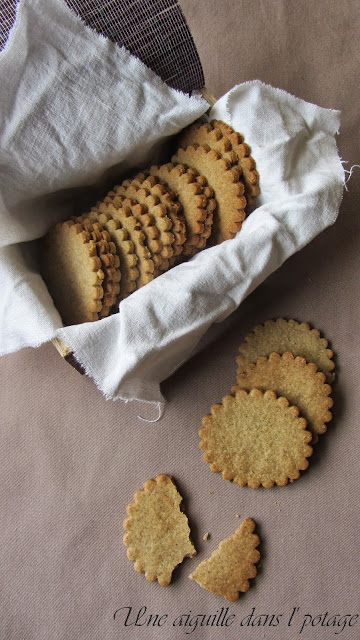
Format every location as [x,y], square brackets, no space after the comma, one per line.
[157,531]
[228,570]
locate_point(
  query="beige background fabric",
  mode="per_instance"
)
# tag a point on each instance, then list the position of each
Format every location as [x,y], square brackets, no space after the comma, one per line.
[70,461]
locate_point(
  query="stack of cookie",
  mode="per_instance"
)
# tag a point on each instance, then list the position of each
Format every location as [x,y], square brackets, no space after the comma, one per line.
[150,222]
[260,434]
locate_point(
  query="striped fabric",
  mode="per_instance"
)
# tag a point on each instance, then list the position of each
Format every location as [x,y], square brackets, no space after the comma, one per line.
[153,30]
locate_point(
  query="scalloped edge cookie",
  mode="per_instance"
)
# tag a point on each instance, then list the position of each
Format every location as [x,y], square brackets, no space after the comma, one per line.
[157,210]
[297,380]
[110,262]
[73,272]
[221,137]
[125,249]
[255,438]
[169,199]
[282,335]
[157,531]
[247,163]
[129,222]
[196,199]
[225,181]
[230,567]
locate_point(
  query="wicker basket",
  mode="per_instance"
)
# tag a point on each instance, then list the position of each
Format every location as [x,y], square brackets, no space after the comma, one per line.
[59,345]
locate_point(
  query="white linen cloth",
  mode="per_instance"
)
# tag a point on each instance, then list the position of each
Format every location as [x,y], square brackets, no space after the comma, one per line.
[77,111]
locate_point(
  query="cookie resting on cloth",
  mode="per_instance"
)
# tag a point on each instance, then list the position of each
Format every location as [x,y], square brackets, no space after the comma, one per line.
[110,262]
[225,180]
[146,220]
[73,273]
[133,227]
[158,211]
[246,162]
[169,200]
[221,137]
[196,199]
[125,249]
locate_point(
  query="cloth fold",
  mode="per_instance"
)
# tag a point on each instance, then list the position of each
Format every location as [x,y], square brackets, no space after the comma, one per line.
[115,116]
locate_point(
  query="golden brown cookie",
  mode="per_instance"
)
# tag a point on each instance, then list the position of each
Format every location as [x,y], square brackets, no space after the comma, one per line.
[224,179]
[169,199]
[159,212]
[147,225]
[125,249]
[129,222]
[157,530]
[221,137]
[298,381]
[287,335]
[72,272]
[247,163]
[196,199]
[230,567]
[210,207]
[110,262]
[206,134]
[255,438]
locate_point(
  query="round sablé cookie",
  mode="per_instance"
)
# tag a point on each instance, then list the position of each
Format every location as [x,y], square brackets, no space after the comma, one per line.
[168,198]
[210,207]
[287,335]
[231,145]
[247,163]
[225,181]
[72,272]
[129,189]
[125,249]
[300,382]
[255,438]
[147,224]
[196,199]
[110,262]
[128,221]
[154,225]
[157,531]
[230,567]
[206,134]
